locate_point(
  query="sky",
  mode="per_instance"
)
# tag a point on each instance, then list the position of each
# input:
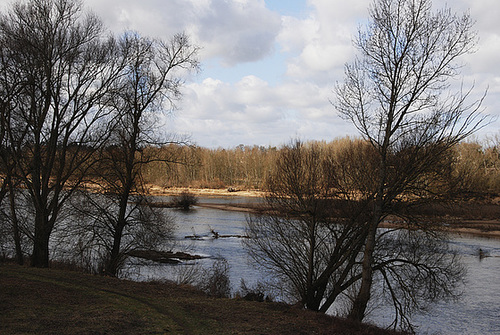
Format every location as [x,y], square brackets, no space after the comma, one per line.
[269,67]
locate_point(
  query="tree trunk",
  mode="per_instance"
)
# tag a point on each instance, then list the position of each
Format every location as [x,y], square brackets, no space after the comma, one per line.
[311,302]
[15,224]
[359,305]
[40,256]
[113,262]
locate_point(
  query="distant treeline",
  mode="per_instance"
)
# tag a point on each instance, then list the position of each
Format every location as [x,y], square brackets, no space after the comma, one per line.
[475,166]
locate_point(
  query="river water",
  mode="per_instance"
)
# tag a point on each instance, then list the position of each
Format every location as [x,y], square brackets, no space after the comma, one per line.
[476,312]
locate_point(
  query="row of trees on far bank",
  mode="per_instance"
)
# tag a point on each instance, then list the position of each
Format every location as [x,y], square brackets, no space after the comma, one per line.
[473,170]
[78,104]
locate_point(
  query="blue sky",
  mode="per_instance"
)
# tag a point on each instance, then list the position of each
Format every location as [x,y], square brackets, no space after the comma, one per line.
[296,8]
[269,66]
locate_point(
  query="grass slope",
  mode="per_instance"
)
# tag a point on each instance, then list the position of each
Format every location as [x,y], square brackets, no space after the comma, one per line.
[48,301]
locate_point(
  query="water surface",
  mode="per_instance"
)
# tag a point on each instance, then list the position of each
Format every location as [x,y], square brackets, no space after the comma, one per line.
[477,312]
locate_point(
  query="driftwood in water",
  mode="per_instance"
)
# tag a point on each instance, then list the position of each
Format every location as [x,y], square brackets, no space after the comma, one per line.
[163,256]
[214,235]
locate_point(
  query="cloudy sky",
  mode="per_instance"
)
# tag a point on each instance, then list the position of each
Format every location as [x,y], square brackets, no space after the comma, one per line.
[269,66]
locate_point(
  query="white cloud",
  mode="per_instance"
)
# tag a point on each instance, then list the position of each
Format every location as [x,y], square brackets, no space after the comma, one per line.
[323,40]
[238,31]
[250,100]
[234,31]
[253,112]
[314,45]
[296,33]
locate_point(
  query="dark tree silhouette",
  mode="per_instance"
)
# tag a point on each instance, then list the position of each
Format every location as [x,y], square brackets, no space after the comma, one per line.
[57,65]
[398,96]
[149,84]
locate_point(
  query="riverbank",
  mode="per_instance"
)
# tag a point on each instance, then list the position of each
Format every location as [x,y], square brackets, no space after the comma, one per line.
[474,217]
[51,301]
[202,192]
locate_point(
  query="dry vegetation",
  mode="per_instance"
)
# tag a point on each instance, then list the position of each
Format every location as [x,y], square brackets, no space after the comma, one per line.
[475,168]
[473,179]
[52,301]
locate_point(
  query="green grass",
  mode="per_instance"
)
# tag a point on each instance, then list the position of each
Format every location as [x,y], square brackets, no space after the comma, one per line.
[48,301]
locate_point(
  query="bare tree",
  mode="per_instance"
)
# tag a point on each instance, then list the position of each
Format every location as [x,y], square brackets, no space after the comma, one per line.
[6,162]
[309,240]
[60,65]
[320,202]
[398,95]
[150,84]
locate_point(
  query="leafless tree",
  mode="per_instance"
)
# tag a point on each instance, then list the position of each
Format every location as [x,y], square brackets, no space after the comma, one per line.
[312,238]
[90,240]
[150,84]
[58,65]
[309,239]
[398,95]
[7,188]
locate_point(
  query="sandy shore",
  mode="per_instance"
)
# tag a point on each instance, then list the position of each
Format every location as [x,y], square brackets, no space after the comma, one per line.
[168,191]
[482,228]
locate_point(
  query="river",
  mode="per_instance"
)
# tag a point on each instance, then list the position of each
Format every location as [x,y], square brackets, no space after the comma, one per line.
[476,312]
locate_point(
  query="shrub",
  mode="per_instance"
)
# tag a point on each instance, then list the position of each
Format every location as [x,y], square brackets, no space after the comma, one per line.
[184,201]
[215,281]
[258,292]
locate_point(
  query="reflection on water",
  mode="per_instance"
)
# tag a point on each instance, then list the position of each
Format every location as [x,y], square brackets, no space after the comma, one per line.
[477,312]
[478,309]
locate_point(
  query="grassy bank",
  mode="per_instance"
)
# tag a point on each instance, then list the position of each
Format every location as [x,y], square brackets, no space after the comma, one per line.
[48,301]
